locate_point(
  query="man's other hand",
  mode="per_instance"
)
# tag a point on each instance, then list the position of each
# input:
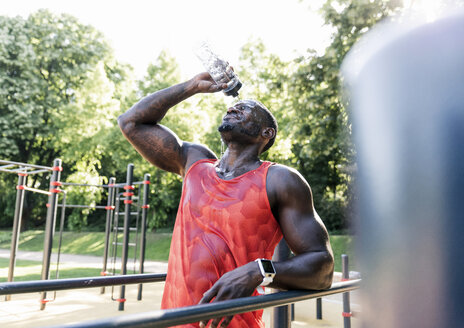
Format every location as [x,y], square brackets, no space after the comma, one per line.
[240,282]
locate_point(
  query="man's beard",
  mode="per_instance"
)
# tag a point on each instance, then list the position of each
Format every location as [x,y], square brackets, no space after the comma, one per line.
[225,127]
[251,132]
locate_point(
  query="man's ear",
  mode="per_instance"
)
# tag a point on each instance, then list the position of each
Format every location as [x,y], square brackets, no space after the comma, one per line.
[268,133]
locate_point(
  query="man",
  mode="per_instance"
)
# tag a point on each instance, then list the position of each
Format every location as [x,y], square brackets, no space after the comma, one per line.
[233,211]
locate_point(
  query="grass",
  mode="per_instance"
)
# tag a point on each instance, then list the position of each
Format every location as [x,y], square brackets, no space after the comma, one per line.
[343,244]
[31,270]
[87,243]
[92,243]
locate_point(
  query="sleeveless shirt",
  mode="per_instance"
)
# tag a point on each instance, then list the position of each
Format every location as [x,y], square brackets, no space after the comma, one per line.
[220,225]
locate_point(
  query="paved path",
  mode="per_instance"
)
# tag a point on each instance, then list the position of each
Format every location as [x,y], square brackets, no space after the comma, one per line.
[88,304]
[86,261]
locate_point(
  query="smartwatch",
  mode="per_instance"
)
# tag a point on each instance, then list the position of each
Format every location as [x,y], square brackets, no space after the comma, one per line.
[267,270]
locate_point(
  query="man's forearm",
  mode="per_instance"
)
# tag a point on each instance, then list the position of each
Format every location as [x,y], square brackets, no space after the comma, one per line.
[152,108]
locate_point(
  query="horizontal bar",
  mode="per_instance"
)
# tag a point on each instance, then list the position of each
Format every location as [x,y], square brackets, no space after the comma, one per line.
[37,171]
[40,191]
[84,185]
[12,171]
[20,170]
[189,314]
[6,166]
[131,213]
[33,286]
[98,207]
[27,165]
[120,244]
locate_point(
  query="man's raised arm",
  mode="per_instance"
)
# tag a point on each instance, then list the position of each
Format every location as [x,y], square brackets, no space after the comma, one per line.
[156,143]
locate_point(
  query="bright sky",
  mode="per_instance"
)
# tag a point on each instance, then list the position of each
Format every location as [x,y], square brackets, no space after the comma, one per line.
[138,30]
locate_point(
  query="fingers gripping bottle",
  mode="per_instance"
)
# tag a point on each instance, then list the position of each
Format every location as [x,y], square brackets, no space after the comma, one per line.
[219,69]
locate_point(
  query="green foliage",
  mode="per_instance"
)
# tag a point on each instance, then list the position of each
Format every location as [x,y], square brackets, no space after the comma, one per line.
[61,91]
[322,143]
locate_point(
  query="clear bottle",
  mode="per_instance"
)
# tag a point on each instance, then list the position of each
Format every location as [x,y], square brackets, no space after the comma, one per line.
[219,69]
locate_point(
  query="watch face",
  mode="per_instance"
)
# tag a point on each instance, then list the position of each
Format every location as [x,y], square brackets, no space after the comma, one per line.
[267,266]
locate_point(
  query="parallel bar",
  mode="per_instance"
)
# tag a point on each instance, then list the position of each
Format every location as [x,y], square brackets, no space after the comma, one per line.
[98,207]
[37,171]
[6,166]
[16,227]
[39,191]
[84,185]
[109,216]
[189,314]
[27,165]
[143,239]
[10,171]
[125,247]
[49,229]
[35,286]
[346,296]
[319,308]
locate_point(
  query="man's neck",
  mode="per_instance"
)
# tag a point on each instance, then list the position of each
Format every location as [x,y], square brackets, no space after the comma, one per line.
[237,161]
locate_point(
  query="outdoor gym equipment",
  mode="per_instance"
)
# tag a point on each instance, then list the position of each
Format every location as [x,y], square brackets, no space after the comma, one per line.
[111,225]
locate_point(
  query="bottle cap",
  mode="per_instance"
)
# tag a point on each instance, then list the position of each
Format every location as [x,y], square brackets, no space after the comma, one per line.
[234,91]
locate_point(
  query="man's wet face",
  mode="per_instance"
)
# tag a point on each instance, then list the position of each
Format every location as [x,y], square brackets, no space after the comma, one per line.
[242,112]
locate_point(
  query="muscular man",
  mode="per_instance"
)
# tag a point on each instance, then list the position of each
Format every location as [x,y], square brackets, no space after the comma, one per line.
[233,210]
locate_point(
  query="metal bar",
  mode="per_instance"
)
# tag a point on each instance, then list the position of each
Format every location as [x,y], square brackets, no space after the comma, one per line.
[98,207]
[60,239]
[10,171]
[131,229]
[84,185]
[35,286]
[319,308]
[346,296]
[39,191]
[109,216]
[6,166]
[281,316]
[50,228]
[125,247]
[16,227]
[27,165]
[189,314]
[143,232]
[37,171]
[21,170]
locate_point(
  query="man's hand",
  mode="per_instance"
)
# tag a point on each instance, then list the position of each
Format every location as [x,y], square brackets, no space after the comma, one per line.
[206,84]
[240,282]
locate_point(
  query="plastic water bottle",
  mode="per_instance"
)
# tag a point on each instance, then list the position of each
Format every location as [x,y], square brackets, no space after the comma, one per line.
[219,69]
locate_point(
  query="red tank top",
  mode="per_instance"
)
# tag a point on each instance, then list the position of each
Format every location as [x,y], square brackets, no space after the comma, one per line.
[220,225]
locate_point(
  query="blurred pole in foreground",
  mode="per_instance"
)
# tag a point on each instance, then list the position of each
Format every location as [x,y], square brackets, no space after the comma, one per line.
[406,93]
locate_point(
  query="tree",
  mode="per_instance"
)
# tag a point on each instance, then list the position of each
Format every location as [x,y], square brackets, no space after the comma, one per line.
[323,147]
[59,85]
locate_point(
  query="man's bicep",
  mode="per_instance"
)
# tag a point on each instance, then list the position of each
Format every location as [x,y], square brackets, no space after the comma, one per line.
[159,145]
[301,226]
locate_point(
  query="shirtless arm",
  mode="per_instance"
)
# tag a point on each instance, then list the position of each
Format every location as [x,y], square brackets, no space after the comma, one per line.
[303,230]
[155,142]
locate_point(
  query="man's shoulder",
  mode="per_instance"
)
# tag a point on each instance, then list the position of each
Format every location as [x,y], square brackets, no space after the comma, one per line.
[196,152]
[282,176]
